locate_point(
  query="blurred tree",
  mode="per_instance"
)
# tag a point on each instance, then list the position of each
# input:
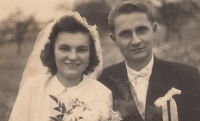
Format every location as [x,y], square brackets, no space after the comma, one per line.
[21,29]
[96,12]
[175,15]
[6,30]
[15,27]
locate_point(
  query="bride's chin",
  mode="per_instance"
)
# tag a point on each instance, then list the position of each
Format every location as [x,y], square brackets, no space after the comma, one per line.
[72,75]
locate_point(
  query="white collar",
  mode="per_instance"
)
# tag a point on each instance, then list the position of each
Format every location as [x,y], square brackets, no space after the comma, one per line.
[147,69]
[58,87]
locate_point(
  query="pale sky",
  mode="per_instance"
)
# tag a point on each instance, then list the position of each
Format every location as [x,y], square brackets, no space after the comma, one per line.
[43,9]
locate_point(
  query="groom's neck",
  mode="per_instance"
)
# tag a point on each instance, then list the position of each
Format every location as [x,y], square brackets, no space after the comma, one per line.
[138,65]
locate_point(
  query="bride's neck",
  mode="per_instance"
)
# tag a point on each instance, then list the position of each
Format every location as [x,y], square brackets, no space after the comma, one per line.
[68,82]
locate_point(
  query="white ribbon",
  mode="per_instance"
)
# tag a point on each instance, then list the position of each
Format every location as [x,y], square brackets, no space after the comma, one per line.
[162,102]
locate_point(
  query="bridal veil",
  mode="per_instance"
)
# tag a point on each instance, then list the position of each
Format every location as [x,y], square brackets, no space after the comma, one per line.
[34,66]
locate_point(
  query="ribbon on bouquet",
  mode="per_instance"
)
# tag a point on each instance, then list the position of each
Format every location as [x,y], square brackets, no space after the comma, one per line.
[162,102]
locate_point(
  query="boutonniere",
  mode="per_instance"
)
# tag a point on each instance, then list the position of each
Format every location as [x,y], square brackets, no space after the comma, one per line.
[162,102]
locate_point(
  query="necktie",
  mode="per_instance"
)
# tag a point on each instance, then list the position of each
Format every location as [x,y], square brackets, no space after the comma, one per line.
[139,81]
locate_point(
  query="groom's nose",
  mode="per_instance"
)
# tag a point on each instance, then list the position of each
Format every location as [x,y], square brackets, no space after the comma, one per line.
[135,40]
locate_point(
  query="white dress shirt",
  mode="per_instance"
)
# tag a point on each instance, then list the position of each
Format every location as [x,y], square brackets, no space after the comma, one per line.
[139,85]
[34,103]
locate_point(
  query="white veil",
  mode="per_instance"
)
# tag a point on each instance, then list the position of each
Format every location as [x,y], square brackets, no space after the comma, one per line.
[34,66]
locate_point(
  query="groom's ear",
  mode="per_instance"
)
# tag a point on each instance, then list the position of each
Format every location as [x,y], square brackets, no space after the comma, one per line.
[154,28]
[112,36]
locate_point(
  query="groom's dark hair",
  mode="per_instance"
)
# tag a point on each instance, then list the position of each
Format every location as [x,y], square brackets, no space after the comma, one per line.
[71,25]
[127,7]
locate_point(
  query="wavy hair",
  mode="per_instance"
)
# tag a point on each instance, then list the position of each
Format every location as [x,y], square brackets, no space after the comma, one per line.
[71,25]
[127,7]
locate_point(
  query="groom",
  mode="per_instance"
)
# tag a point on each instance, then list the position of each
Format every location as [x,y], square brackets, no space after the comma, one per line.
[141,79]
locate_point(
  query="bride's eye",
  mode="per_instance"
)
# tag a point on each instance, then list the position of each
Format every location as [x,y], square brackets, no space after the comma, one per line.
[64,48]
[82,49]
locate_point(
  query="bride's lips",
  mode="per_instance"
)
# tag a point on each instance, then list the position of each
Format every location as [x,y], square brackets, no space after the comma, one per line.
[72,64]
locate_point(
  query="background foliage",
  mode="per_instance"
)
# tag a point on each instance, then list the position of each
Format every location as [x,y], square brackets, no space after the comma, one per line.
[178,39]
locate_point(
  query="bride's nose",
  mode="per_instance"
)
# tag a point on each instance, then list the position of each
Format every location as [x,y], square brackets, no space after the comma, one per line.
[73,55]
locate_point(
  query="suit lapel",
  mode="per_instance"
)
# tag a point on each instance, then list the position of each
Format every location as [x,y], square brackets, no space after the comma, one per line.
[123,88]
[160,83]
[123,83]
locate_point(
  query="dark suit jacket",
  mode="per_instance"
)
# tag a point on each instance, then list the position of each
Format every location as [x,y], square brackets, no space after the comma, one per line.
[165,75]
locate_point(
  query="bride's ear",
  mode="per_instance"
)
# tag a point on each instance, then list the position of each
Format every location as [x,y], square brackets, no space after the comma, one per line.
[112,36]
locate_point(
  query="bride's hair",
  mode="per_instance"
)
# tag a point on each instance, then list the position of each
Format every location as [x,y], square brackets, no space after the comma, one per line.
[71,25]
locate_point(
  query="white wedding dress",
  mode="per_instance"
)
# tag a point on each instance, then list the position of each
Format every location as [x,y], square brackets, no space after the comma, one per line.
[34,103]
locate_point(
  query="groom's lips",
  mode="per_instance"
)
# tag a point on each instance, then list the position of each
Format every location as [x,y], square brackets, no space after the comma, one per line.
[135,49]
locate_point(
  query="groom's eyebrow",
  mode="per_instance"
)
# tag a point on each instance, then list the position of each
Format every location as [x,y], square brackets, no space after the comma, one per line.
[63,45]
[122,31]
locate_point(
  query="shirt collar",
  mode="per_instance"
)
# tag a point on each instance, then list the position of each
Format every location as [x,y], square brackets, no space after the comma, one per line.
[147,69]
[58,87]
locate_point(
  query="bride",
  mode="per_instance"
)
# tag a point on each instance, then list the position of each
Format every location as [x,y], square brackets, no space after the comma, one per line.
[69,49]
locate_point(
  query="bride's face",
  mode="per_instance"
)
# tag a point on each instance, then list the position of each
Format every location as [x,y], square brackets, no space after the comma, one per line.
[72,54]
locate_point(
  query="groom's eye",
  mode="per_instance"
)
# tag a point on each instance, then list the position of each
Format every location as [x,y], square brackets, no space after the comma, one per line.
[125,33]
[141,29]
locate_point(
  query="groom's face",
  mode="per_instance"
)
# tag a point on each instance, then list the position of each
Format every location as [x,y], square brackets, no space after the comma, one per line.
[134,35]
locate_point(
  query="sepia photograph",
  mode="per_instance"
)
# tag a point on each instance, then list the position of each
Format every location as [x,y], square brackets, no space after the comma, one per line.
[99,60]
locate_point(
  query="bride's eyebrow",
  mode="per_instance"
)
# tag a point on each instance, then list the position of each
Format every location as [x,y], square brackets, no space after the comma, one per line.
[79,46]
[83,46]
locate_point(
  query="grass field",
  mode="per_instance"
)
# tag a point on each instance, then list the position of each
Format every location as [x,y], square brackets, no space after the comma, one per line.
[12,64]
[11,68]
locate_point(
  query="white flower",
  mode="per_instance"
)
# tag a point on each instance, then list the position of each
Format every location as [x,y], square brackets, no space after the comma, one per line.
[100,110]
[89,115]
[96,111]
[69,118]
[115,116]
[77,112]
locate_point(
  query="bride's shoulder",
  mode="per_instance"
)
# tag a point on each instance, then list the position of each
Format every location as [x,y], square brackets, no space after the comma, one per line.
[35,83]
[38,80]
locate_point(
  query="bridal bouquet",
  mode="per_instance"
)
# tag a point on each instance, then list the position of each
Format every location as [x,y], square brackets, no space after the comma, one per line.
[96,111]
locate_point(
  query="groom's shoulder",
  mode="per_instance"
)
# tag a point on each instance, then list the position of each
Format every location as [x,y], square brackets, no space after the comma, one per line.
[111,71]
[176,66]
[112,68]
